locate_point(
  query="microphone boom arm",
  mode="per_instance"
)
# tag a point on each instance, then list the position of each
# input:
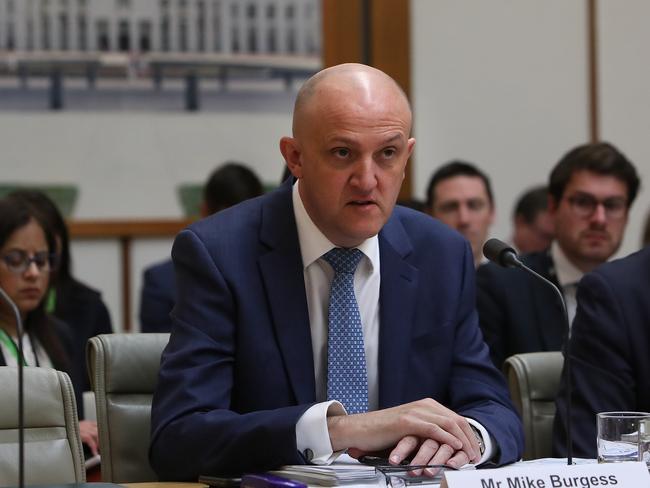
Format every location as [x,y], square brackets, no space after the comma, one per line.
[21,406]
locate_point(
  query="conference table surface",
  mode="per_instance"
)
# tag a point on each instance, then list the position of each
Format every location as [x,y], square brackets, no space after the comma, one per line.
[164,484]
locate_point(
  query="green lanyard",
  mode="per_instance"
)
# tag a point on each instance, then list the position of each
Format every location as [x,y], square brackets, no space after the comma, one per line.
[50,301]
[11,345]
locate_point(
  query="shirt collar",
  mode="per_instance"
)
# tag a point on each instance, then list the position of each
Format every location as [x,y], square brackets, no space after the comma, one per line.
[567,273]
[313,243]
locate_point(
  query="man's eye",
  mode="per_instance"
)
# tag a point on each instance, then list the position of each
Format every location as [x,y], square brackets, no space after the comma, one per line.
[584,201]
[448,207]
[389,152]
[341,152]
[476,205]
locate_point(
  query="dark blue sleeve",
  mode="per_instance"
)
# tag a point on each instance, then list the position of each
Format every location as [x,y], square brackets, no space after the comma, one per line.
[157,298]
[195,429]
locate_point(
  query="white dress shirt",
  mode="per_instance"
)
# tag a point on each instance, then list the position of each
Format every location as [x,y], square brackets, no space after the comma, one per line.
[311,430]
[568,276]
[28,353]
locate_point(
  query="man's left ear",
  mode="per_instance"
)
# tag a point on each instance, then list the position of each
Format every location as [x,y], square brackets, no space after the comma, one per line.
[410,144]
[291,152]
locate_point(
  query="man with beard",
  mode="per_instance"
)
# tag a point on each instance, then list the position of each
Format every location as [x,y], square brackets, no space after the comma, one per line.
[591,190]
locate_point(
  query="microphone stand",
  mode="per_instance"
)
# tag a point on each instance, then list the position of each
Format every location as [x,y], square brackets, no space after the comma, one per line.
[21,407]
[500,253]
[567,364]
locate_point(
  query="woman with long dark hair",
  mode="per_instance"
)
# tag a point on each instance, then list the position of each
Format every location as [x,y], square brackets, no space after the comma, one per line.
[69,300]
[27,259]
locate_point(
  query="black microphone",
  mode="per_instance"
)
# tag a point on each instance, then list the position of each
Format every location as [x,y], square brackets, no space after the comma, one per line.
[500,253]
[21,388]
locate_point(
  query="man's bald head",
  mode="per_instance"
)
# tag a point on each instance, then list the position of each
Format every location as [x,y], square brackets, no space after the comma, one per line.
[351,81]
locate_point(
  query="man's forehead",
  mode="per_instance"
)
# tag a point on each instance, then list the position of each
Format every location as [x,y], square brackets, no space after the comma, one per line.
[590,181]
[462,185]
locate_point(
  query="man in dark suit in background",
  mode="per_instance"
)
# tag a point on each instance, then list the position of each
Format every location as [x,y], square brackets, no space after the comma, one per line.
[609,347]
[229,184]
[590,192]
[460,195]
[250,379]
[533,227]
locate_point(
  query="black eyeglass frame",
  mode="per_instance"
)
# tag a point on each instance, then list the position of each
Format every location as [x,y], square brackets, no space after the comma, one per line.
[44,261]
[584,205]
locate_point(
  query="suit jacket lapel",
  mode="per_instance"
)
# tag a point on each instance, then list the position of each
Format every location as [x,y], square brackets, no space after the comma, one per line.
[397,297]
[282,273]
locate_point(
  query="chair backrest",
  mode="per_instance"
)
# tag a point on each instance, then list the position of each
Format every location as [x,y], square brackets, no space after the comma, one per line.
[534,381]
[124,372]
[53,452]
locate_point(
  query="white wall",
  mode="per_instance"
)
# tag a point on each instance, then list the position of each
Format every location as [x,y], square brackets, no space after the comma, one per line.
[504,84]
[625,94]
[127,165]
[501,84]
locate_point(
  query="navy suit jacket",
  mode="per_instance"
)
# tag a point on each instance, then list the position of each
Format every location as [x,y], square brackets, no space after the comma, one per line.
[238,371]
[83,309]
[610,340]
[158,297]
[518,313]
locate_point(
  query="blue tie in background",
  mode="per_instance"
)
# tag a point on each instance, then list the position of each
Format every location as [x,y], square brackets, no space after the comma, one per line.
[347,380]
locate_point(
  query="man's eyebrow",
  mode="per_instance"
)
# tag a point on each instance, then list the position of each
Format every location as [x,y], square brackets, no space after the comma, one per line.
[353,142]
[393,138]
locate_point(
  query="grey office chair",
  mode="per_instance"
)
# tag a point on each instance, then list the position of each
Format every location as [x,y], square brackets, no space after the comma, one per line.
[53,452]
[534,381]
[124,371]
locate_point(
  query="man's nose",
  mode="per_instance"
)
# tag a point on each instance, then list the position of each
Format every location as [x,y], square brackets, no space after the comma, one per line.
[364,176]
[463,215]
[600,215]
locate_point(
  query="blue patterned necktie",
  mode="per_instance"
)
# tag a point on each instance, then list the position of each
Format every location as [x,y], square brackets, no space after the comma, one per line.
[347,380]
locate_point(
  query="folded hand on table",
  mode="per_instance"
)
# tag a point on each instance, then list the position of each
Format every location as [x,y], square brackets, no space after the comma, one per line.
[424,430]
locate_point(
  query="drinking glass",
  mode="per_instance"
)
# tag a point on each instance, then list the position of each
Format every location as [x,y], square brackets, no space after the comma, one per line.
[623,436]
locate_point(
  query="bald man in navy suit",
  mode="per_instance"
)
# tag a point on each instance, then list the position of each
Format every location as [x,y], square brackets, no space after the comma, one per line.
[243,381]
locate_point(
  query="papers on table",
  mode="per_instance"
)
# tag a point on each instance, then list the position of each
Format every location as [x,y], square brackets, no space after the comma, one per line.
[344,471]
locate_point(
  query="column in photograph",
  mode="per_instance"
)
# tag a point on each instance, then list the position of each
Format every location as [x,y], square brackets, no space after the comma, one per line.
[281,25]
[271,30]
[19,25]
[73,25]
[311,28]
[301,11]
[173,24]
[190,26]
[3,26]
[237,16]
[199,20]
[208,26]
[223,25]
[135,30]
[35,13]
[154,15]
[262,28]
[54,27]
[91,32]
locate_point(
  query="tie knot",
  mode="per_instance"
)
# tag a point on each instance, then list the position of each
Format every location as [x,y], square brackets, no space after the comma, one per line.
[343,260]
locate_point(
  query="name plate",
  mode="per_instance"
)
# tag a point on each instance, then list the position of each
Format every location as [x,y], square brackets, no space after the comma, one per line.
[619,475]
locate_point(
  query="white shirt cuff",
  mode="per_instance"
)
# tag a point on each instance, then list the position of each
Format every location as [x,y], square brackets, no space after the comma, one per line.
[488,442]
[312,436]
